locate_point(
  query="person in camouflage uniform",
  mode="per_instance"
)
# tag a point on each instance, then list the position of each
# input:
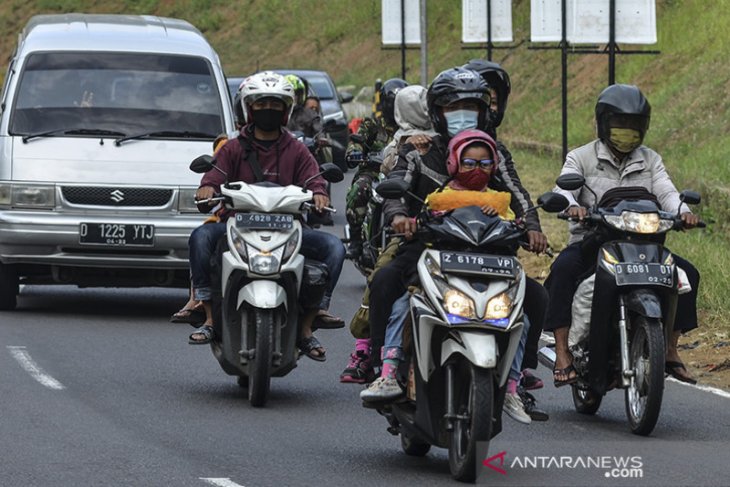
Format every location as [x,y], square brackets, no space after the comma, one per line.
[372,136]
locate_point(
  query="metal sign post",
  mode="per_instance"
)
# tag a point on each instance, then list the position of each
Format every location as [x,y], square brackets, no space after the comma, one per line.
[585,23]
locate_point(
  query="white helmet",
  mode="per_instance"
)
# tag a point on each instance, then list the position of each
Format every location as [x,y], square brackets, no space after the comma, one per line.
[266,84]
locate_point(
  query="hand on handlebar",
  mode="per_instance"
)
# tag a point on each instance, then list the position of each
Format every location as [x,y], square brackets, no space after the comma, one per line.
[403,224]
[537,241]
[205,193]
[690,220]
[321,201]
[577,213]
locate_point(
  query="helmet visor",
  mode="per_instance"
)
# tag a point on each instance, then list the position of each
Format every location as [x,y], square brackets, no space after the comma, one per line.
[449,98]
[622,120]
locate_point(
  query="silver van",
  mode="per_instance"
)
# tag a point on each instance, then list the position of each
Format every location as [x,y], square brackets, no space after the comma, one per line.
[100,117]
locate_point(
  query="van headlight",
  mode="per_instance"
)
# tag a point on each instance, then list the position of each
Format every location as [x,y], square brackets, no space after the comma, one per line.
[28,195]
[631,221]
[186,200]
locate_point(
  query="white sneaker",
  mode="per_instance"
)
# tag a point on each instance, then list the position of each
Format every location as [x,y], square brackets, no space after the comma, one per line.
[382,389]
[515,409]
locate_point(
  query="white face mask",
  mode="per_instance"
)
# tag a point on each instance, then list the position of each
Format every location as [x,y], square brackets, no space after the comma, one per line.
[460,120]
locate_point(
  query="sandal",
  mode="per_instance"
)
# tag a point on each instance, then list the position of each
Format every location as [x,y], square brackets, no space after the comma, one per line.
[325,321]
[206,331]
[192,316]
[672,368]
[566,372]
[309,344]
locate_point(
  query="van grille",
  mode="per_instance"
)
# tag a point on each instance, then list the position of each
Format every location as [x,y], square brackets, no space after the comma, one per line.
[110,196]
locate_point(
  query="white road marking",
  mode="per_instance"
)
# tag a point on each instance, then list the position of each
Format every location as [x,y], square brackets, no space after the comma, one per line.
[220,482]
[713,390]
[23,358]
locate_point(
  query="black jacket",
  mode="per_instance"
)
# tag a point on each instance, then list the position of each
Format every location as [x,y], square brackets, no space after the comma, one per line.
[428,172]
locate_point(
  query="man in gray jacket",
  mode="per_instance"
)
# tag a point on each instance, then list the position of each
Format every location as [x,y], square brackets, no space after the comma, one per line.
[616,159]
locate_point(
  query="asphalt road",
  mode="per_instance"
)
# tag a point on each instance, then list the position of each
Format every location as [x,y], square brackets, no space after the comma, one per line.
[98,388]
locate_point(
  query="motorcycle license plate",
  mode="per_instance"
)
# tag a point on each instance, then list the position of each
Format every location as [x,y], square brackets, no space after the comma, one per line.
[264,221]
[637,274]
[493,265]
[117,234]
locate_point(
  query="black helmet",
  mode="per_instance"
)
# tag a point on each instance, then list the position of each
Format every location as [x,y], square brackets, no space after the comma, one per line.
[452,85]
[388,90]
[626,101]
[497,78]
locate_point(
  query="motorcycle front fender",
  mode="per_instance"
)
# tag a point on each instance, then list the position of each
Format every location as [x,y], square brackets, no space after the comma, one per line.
[262,294]
[477,347]
[644,302]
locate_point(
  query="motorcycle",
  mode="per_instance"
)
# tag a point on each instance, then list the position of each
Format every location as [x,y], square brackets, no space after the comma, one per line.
[374,238]
[632,306]
[262,279]
[466,322]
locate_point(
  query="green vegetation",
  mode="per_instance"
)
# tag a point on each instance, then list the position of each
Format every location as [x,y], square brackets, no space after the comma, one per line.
[687,84]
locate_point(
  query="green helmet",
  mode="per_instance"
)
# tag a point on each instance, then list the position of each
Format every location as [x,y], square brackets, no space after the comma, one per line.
[299,87]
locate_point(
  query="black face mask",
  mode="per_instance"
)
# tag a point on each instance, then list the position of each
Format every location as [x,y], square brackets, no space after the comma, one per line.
[267,119]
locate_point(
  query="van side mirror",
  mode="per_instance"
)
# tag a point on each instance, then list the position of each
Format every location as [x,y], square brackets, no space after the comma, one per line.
[570,181]
[346,97]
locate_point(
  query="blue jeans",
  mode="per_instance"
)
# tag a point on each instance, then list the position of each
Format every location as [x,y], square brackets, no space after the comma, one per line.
[516,369]
[316,245]
[393,346]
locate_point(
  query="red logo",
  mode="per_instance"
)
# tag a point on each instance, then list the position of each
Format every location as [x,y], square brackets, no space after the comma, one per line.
[498,456]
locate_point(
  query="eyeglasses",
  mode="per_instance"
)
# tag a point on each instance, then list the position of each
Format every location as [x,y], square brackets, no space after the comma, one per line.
[470,164]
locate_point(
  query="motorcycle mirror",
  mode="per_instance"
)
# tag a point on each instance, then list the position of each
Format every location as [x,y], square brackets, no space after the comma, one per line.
[570,182]
[690,197]
[393,188]
[332,173]
[202,164]
[357,138]
[553,202]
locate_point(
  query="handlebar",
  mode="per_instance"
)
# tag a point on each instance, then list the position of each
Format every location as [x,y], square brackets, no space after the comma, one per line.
[310,207]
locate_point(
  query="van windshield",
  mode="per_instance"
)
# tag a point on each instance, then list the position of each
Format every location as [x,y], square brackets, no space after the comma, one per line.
[121,92]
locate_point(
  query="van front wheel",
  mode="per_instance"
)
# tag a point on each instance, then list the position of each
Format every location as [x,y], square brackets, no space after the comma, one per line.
[8,287]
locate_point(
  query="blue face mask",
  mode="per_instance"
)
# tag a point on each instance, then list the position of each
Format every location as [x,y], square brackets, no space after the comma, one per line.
[460,120]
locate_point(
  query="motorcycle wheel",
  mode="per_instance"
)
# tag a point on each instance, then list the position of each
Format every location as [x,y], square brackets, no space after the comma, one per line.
[474,401]
[412,446]
[586,401]
[259,376]
[643,397]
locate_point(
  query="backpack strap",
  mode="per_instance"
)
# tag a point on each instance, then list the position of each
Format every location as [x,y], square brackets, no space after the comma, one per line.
[249,153]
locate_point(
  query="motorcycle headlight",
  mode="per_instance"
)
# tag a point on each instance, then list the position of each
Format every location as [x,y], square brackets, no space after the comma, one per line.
[239,245]
[290,246]
[499,307]
[458,304]
[631,221]
[264,263]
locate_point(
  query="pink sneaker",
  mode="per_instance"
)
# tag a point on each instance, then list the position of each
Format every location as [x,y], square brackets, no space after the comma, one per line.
[359,369]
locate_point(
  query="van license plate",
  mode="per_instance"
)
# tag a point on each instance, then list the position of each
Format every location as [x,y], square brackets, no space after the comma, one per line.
[640,273]
[117,234]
